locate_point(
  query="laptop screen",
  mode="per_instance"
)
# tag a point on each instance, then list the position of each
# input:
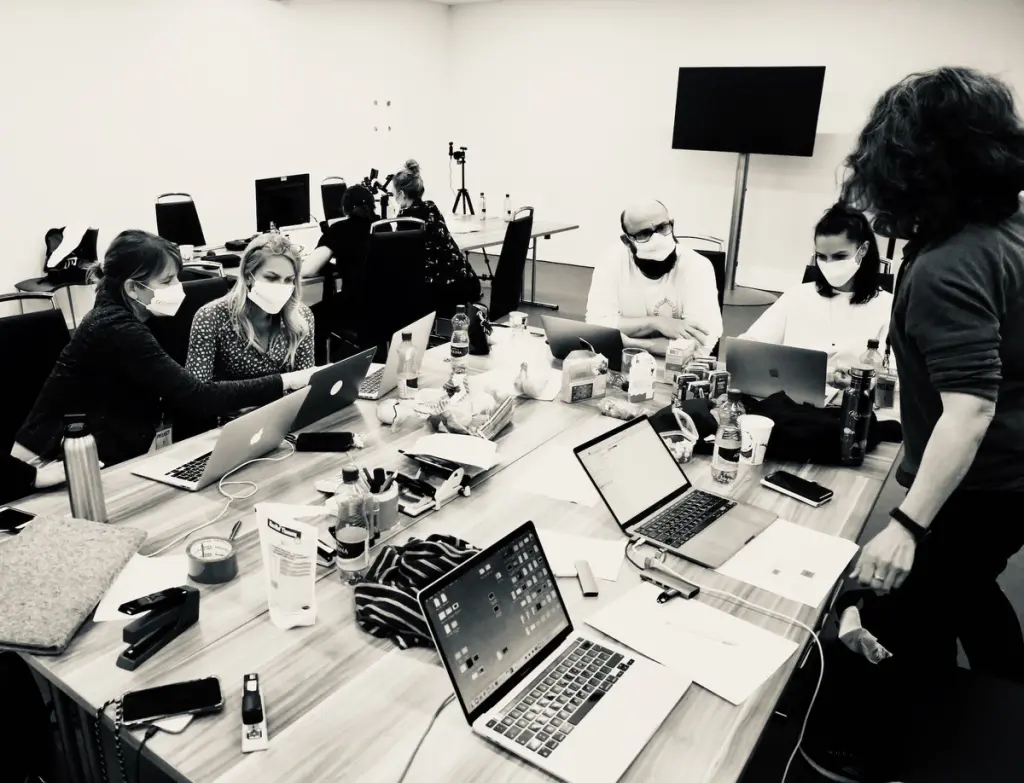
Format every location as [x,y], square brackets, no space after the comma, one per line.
[494,615]
[632,470]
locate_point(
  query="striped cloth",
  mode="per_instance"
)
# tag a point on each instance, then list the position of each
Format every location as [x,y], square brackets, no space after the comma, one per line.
[386,604]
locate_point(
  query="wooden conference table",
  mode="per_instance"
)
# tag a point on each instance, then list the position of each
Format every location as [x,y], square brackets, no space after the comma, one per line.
[343,705]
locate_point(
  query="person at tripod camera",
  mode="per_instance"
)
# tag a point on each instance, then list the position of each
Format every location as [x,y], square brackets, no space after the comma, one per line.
[653,290]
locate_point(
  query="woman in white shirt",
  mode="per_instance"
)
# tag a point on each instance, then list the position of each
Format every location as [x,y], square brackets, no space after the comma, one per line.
[843,307]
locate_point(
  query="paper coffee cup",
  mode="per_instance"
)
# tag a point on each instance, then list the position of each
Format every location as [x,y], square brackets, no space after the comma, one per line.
[186,252]
[755,430]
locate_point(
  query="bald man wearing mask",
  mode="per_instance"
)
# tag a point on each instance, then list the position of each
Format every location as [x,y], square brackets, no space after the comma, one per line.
[653,290]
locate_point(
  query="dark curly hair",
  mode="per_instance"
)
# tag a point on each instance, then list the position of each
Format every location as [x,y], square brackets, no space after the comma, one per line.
[841,220]
[941,150]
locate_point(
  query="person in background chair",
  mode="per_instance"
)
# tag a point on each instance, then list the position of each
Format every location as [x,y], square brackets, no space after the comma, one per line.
[343,244]
[260,327]
[449,276]
[653,290]
[115,372]
[843,307]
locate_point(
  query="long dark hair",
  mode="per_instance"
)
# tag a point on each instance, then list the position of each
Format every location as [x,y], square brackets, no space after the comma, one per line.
[133,255]
[941,150]
[841,220]
[358,201]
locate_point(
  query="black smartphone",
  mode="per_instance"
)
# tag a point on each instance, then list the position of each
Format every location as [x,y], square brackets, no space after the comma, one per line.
[324,441]
[809,492]
[12,520]
[195,697]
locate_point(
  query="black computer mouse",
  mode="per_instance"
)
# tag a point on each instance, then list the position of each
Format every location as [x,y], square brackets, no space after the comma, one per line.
[210,254]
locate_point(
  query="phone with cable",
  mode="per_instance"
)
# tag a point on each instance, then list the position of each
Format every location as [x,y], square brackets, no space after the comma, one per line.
[804,490]
[194,697]
[12,519]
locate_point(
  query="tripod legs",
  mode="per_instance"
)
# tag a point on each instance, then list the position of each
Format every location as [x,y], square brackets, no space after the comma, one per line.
[467,203]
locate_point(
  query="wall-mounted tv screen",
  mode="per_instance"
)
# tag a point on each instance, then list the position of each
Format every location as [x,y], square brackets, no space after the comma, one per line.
[768,111]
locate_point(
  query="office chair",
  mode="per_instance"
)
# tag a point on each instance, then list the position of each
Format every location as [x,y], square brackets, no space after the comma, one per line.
[173,333]
[200,270]
[716,256]
[177,219]
[886,280]
[29,346]
[507,285]
[332,190]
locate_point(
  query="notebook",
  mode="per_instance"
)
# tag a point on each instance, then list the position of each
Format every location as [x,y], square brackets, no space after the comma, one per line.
[41,609]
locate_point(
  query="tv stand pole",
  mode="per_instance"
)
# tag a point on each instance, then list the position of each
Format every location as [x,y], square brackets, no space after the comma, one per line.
[740,297]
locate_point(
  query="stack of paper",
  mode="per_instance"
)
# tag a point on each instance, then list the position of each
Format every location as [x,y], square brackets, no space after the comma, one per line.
[563,550]
[461,449]
[561,477]
[141,577]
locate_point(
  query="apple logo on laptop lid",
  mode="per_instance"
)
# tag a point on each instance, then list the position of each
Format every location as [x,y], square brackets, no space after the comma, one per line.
[256,438]
[337,387]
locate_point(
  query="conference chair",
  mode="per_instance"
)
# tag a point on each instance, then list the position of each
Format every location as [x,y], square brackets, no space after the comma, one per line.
[177,219]
[332,189]
[886,280]
[507,281]
[200,270]
[30,343]
[716,255]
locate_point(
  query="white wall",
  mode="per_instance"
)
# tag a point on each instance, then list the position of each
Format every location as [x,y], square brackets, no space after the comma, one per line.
[568,104]
[107,103]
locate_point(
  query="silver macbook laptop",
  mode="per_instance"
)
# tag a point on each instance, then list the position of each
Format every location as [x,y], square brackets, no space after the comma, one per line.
[650,497]
[332,388]
[762,369]
[193,466]
[576,706]
[382,378]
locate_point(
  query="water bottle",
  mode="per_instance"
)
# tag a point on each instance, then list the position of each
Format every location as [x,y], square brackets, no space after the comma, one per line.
[408,368]
[460,341]
[483,208]
[351,534]
[858,401]
[508,208]
[82,468]
[725,463]
[873,359]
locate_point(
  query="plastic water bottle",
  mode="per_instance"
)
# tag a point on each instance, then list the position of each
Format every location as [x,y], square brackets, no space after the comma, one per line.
[352,498]
[873,359]
[408,368]
[725,463]
[483,208]
[508,208]
[460,341]
[82,468]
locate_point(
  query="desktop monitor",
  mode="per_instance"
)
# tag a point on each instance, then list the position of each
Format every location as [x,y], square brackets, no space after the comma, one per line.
[769,110]
[283,201]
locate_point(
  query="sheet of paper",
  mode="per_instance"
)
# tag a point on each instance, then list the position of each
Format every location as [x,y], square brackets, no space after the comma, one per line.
[729,656]
[460,226]
[140,577]
[174,725]
[461,449]
[793,562]
[561,477]
[564,549]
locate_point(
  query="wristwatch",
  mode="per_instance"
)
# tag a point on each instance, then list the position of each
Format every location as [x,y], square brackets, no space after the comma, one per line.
[916,530]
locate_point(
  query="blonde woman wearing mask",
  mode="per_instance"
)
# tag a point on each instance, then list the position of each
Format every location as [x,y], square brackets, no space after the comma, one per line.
[260,327]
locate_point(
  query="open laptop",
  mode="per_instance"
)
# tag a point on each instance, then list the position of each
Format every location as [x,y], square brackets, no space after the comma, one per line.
[650,497]
[564,336]
[193,466]
[333,388]
[382,378]
[579,708]
[762,369]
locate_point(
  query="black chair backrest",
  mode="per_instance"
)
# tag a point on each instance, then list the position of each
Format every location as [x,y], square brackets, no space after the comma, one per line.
[507,287]
[31,343]
[394,290]
[332,190]
[886,280]
[177,219]
[173,333]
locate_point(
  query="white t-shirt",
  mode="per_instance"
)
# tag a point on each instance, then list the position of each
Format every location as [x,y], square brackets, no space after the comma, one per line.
[803,318]
[619,289]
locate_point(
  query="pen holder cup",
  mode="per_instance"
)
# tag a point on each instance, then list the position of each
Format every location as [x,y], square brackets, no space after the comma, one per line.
[385,509]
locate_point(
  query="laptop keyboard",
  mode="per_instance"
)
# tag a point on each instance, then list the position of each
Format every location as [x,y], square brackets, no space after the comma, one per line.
[561,697]
[371,384]
[191,471]
[678,524]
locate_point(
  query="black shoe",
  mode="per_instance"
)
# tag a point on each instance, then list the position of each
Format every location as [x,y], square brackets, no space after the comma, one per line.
[837,764]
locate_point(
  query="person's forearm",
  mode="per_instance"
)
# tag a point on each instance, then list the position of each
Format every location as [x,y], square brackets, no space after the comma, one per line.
[635,327]
[947,458]
[314,262]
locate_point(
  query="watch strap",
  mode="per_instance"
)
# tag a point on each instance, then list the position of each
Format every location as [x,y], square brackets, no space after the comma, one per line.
[916,530]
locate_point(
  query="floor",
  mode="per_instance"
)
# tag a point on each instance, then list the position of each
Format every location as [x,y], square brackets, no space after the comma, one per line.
[567,286]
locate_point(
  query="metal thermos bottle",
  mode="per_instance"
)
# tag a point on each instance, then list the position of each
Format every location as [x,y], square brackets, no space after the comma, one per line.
[82,468]
[858,403]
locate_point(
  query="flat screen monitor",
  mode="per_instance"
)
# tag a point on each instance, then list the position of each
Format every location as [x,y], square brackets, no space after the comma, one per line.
[283,201]
[769,111]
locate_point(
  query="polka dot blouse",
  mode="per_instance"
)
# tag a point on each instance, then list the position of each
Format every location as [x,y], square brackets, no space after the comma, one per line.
[216,352]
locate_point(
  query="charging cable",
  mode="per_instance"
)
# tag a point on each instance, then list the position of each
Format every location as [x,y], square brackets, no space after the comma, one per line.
[408,765]
[254,488]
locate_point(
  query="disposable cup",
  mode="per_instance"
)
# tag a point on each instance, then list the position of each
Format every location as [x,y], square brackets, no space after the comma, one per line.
[755,430]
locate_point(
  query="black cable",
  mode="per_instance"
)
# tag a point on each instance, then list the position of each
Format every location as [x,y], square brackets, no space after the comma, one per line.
[138,758]
[630,543]
[423,737]
[118,748]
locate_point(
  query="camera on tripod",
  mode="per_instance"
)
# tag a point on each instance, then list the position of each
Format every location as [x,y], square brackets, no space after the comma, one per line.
[462,197]
[459,155]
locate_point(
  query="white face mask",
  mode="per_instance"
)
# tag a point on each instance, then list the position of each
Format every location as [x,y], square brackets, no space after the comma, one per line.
[839,273]
[167,300]
[657,248]
[270,297]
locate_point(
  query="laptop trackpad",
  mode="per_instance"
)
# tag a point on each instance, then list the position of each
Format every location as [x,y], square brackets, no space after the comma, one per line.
[727,535]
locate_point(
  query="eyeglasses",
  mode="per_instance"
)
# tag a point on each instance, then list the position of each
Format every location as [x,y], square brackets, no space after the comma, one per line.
[645,234]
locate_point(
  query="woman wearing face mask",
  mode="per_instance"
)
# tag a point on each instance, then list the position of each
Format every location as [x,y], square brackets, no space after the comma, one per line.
[843,307]
[114,371]
[260,328]
[449,277]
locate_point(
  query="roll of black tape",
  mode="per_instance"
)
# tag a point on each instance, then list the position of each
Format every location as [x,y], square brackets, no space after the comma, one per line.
[212,561]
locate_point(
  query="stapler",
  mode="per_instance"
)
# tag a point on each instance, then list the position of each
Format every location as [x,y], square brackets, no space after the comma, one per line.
[166,615]
[436,483]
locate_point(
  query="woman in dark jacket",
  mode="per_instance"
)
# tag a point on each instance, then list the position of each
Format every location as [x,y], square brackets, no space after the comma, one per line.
[449,277]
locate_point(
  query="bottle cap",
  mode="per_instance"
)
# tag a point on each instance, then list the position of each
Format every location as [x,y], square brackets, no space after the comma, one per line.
[75,425]
[735,395]
[872,343]
[350,475]
[406,337]
[460,308]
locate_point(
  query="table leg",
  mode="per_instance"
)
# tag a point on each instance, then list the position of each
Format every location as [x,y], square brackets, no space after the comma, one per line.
[73,765]
[532,301]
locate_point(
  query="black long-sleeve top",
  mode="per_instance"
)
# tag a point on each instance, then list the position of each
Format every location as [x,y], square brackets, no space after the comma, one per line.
[115,372]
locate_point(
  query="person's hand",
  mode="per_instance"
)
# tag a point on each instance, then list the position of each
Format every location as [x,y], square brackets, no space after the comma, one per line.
[680,328]
[885,561]
[299,379]
[840,378]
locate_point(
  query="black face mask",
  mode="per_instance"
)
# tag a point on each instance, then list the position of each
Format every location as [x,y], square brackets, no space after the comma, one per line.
[655,270]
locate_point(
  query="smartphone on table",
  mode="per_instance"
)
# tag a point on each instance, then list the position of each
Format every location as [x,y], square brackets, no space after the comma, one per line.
[194,697]
[804,490]
[12,519]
